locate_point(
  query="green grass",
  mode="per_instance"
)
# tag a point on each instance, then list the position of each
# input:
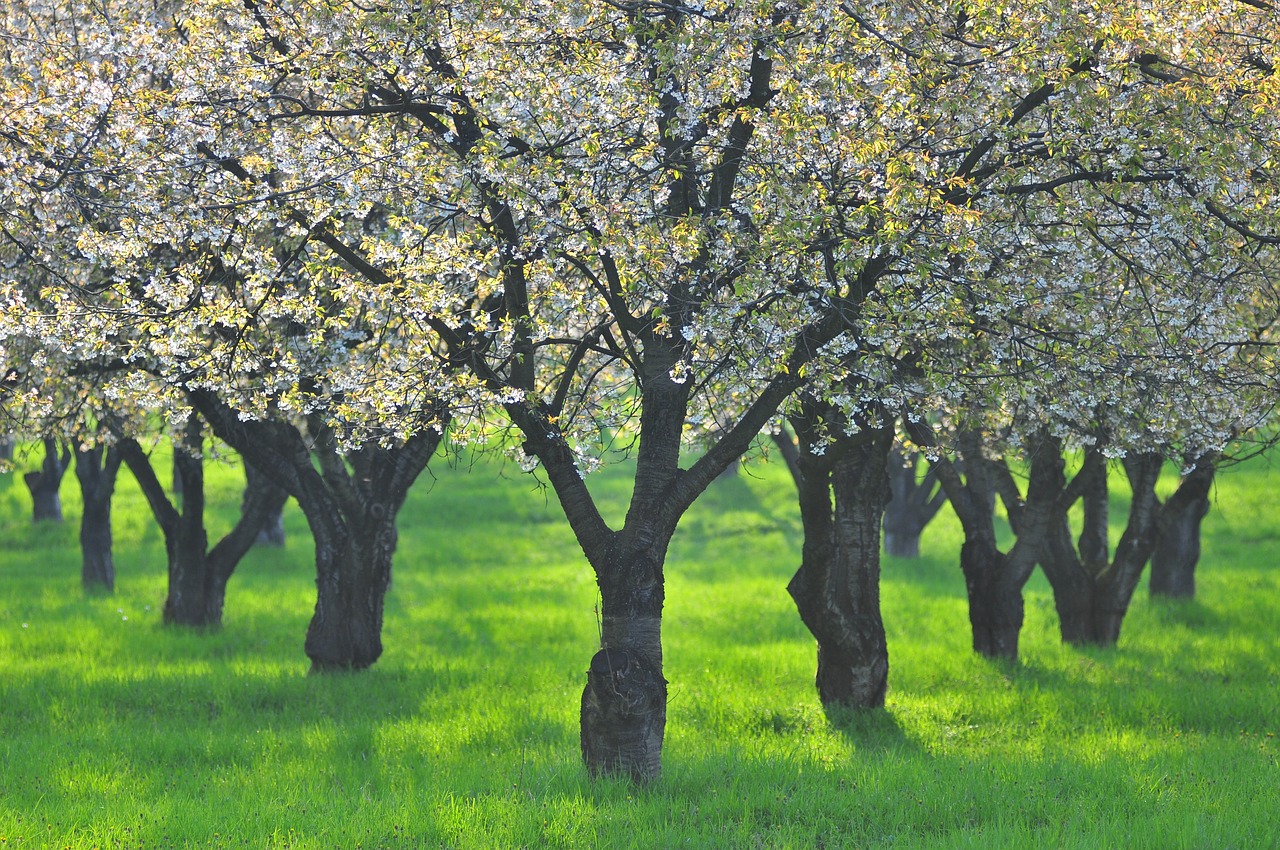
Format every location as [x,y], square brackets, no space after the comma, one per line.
[116,732]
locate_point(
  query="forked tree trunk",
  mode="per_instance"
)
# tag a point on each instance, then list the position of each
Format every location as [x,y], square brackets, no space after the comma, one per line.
[46,504]
[96,470]
[198,575]
[1091,607]
[1075,595]
[1177,549]
[994,579]
[843,489]
[623,710]
[1092,595]
[350,503]
[914,502]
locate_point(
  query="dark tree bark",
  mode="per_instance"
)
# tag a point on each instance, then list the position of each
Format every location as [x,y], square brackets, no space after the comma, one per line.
[46,504]
[1177,549]
[843,488]
[6,448]
[177,470]
[1094,543]
[993,582]
[914,501]
[351,502]
[198,575]
[96,470]
[1092,593]
[790,452]
[994,579]
[272,533]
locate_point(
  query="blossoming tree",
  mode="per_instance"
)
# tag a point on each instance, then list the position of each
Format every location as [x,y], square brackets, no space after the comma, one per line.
[597,219]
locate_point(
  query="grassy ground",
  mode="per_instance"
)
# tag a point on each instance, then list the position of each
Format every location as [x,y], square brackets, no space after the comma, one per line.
[116,732]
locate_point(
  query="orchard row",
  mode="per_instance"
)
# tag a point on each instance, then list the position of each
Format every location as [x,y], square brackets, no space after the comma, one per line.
[337,236]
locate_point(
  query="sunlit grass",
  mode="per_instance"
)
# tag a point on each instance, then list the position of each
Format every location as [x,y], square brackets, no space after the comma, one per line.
[116,732]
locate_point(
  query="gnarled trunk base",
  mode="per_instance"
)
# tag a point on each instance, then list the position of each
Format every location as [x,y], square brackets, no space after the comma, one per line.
[1085,619]
[624,703]
[624,716]
[853,680]
[353,572]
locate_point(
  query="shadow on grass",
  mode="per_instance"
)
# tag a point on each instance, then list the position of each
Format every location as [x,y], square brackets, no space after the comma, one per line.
[23,535]
[1191,613]
[1141,685]
[871,730]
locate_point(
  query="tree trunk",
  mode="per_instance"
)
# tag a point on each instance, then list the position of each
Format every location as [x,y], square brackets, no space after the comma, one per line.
[272,533]
[1092,595]
[6,448]
[624,703]
[199,574]
[623,711]
[97,566]
[195,597]
[353,572]
[46,504]
[1074,589]
[177,471]
[96,470]
[1094,543]
[1177,549]
[995,599]
[837,587]
[901,540]
[912,505]
[902,523]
